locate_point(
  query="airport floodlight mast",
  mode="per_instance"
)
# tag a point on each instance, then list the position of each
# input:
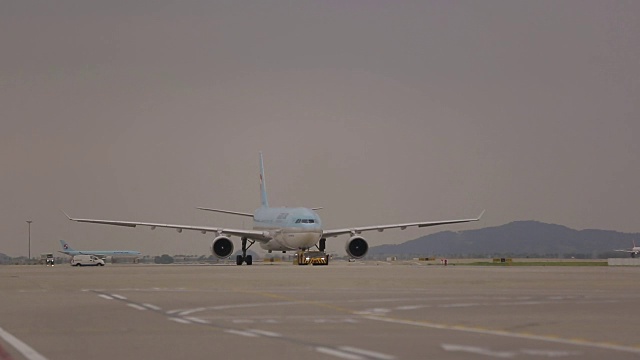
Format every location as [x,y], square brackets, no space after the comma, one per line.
[29,222]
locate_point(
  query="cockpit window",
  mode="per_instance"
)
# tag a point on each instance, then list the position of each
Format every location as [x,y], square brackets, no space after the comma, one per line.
[298,221]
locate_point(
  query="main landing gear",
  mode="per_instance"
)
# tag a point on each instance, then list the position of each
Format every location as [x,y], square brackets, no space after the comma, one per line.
[244,257]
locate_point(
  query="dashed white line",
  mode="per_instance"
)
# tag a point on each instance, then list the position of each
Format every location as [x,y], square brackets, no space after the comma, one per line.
[478,350]
[265,333]
[23,348]
[241,333]
[152,307]
[119,297]
[337,353]
[137,307]
[180,320]
[376,311]
[550,353]
[509,334]
[458,305]
[368,353]
[197,320]
[187,312]
[105,297]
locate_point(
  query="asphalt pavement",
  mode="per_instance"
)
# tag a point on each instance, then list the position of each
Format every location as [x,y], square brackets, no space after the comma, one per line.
[359,310]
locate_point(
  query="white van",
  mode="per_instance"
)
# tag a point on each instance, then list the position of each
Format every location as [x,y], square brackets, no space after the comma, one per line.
[86,260]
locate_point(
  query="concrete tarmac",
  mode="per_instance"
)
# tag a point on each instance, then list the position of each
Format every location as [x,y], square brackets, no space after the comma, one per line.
[361,310]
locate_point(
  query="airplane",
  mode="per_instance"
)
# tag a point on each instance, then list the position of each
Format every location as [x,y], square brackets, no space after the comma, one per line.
[279,229]
[67,250]
[635,250]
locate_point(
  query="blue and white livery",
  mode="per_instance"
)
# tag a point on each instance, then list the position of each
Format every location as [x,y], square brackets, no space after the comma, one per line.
[68,250]
[279,229]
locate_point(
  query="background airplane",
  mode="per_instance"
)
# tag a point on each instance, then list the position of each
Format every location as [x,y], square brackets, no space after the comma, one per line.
[279,229]
[635,250]
[66,249]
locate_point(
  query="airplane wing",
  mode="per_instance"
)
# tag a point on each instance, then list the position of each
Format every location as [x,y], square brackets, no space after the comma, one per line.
[358,230]
[627,251]
[257,235]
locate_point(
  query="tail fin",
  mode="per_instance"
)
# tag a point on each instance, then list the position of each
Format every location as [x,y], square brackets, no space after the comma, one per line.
[263,186]
[65,246]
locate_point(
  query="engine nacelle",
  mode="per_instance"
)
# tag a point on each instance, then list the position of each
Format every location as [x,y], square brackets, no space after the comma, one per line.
[356,247]
[222,247]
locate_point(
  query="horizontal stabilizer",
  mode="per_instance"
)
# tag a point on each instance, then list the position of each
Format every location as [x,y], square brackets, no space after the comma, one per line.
[227,211]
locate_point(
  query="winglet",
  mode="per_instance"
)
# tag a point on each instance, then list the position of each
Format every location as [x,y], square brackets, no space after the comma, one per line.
[65,214]
[479,216]
[263,186]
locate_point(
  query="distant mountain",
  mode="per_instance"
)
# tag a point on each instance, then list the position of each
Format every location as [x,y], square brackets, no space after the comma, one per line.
[518,238]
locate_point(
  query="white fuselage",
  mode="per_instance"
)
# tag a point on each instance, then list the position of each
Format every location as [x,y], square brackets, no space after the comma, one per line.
[290,228]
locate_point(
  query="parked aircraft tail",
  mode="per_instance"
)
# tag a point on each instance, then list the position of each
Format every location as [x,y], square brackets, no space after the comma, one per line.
[65,246]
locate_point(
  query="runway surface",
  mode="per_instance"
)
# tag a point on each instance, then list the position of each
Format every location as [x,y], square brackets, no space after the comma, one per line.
[372,310]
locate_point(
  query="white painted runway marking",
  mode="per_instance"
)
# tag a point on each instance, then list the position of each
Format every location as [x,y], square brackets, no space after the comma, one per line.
[105,297]
[197,320]
[236,306]
[337,353]
[241,333]
[368,353]
[23,348]
[265,333]
[557,340]
[179,320]
[136,306]
[153,307]
[478,350]
[191,311]
[119,297]
[550,353]
[459,305]
[376,311]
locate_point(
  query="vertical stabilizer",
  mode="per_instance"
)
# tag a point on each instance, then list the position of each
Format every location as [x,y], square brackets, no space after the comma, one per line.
[65,246]
[263,186]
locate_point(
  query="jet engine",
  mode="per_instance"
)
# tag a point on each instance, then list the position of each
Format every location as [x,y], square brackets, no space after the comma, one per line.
[222,247]
[356,247]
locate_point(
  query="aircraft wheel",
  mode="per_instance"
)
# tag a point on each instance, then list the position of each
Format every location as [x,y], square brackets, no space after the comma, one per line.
[249,259]
[239,260]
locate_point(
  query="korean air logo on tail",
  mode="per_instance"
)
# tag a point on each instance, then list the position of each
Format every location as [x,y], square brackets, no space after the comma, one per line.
[66,247]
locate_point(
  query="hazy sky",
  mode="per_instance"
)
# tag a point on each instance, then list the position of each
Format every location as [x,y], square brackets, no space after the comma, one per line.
[378,111]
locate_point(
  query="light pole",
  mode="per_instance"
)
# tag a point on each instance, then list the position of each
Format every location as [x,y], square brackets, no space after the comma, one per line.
[29,222]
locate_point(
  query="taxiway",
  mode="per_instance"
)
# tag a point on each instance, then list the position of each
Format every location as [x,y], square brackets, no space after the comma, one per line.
[362,310]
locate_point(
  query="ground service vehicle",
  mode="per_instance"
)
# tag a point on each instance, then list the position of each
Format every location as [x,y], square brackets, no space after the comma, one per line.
[313,258]
[47,259]
[86,260]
